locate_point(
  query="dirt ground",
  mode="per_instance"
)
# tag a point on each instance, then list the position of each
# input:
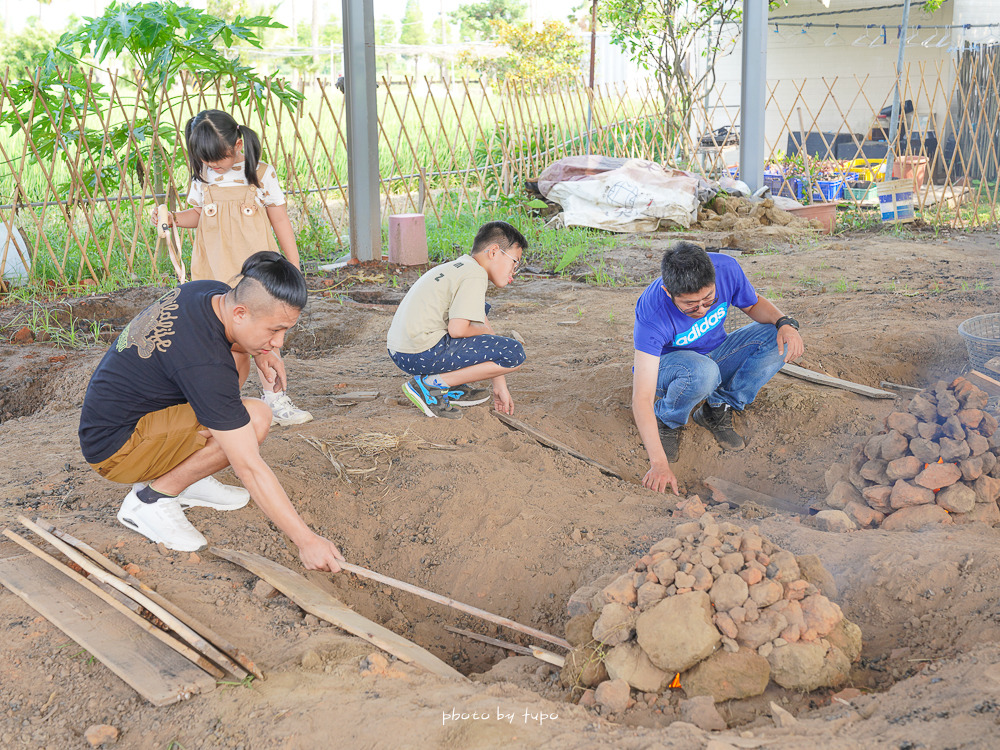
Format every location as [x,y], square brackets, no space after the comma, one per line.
[514,528]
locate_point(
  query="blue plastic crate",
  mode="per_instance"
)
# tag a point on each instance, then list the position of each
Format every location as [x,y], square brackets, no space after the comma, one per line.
[829,190]
[791,187]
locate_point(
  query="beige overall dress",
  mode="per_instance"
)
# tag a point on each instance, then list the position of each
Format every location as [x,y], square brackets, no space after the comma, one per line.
[232,227]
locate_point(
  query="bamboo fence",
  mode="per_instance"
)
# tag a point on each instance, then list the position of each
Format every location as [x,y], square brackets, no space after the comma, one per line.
[74,207]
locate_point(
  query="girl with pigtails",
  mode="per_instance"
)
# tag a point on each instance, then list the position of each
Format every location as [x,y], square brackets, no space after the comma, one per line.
[236,203]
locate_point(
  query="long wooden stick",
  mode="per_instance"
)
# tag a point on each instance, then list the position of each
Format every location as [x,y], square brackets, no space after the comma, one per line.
[183,631]
[448,602]
[900,387]
[181,648]
[535,651]
[845,385]
[223,644]
[551,442]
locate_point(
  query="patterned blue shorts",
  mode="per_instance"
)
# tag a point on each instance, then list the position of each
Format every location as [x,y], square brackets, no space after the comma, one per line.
[449,354]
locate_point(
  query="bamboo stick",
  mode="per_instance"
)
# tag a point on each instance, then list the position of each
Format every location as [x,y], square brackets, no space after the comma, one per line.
[183,631]
[551,442]
[805,158]
[449,602]
[181,648]
[539,653]
[196,625]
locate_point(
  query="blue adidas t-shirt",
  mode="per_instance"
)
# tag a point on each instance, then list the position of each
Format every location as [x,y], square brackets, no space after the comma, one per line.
[661,328]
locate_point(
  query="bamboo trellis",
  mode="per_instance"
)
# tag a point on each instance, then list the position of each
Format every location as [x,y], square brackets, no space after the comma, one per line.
[80,206]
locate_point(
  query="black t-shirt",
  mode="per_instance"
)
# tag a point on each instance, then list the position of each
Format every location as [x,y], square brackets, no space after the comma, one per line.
[173,352]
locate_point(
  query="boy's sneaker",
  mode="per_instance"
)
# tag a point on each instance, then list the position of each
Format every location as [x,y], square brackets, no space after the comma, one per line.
[670,439]
[431,401]
[211,493]
[284,412]
[719,421]
[467,395]
[162,521]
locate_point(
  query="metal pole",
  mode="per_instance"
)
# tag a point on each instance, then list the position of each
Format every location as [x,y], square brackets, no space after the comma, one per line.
[593,56]
[894,121]
[593,41]
[753,93]
[362,131]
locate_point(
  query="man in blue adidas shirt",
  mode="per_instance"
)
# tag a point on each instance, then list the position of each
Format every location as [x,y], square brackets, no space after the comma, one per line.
[683,355]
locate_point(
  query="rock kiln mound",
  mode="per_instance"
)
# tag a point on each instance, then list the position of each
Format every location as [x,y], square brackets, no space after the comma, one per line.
[936,462]
[722,607]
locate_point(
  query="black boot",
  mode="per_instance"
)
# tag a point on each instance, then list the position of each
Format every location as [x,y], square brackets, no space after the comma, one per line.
[719,421]
[670,439]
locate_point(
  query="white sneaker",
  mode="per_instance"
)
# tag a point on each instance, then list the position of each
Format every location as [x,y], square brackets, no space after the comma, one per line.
[162,521]
[284,412]
[211,493]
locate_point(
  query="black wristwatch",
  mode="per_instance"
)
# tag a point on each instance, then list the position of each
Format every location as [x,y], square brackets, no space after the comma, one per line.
[785,320]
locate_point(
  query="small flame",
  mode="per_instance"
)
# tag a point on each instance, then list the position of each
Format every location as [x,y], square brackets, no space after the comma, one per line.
[676,682]
[939,461]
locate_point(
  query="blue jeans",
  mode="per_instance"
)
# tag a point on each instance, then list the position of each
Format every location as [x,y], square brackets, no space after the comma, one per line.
[732,373]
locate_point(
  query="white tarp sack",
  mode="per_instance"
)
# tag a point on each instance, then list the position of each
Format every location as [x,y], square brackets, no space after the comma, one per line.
[636,197]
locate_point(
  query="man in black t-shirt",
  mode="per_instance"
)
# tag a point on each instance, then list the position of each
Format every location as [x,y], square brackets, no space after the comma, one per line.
[163,410]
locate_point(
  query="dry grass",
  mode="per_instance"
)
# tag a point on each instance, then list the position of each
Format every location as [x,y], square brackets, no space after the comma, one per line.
[332,451]
[370,445]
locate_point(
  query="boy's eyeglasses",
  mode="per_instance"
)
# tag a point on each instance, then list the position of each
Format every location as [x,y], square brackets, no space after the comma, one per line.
[517,263]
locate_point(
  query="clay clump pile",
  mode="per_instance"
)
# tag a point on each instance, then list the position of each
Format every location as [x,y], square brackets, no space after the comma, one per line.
[936,462]
[721,606]
[731,212]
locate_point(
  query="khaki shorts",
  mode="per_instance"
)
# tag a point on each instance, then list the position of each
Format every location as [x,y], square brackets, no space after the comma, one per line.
[161,440]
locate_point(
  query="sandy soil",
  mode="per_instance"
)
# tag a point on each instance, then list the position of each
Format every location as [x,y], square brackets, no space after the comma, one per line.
[493,523]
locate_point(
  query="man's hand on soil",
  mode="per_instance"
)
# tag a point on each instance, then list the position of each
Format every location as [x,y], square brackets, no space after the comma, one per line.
[659,477]
[320,554]
[788,335]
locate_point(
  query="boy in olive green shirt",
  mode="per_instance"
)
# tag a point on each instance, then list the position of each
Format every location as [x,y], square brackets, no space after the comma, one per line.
[441,334]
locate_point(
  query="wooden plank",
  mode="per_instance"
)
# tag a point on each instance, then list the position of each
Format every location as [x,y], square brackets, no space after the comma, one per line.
[127,607]
[192,622]
[550,442]
[179,628]
[983,381]
[729,492]
[846,385]
[317,602]
[535,651]
[158,673]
